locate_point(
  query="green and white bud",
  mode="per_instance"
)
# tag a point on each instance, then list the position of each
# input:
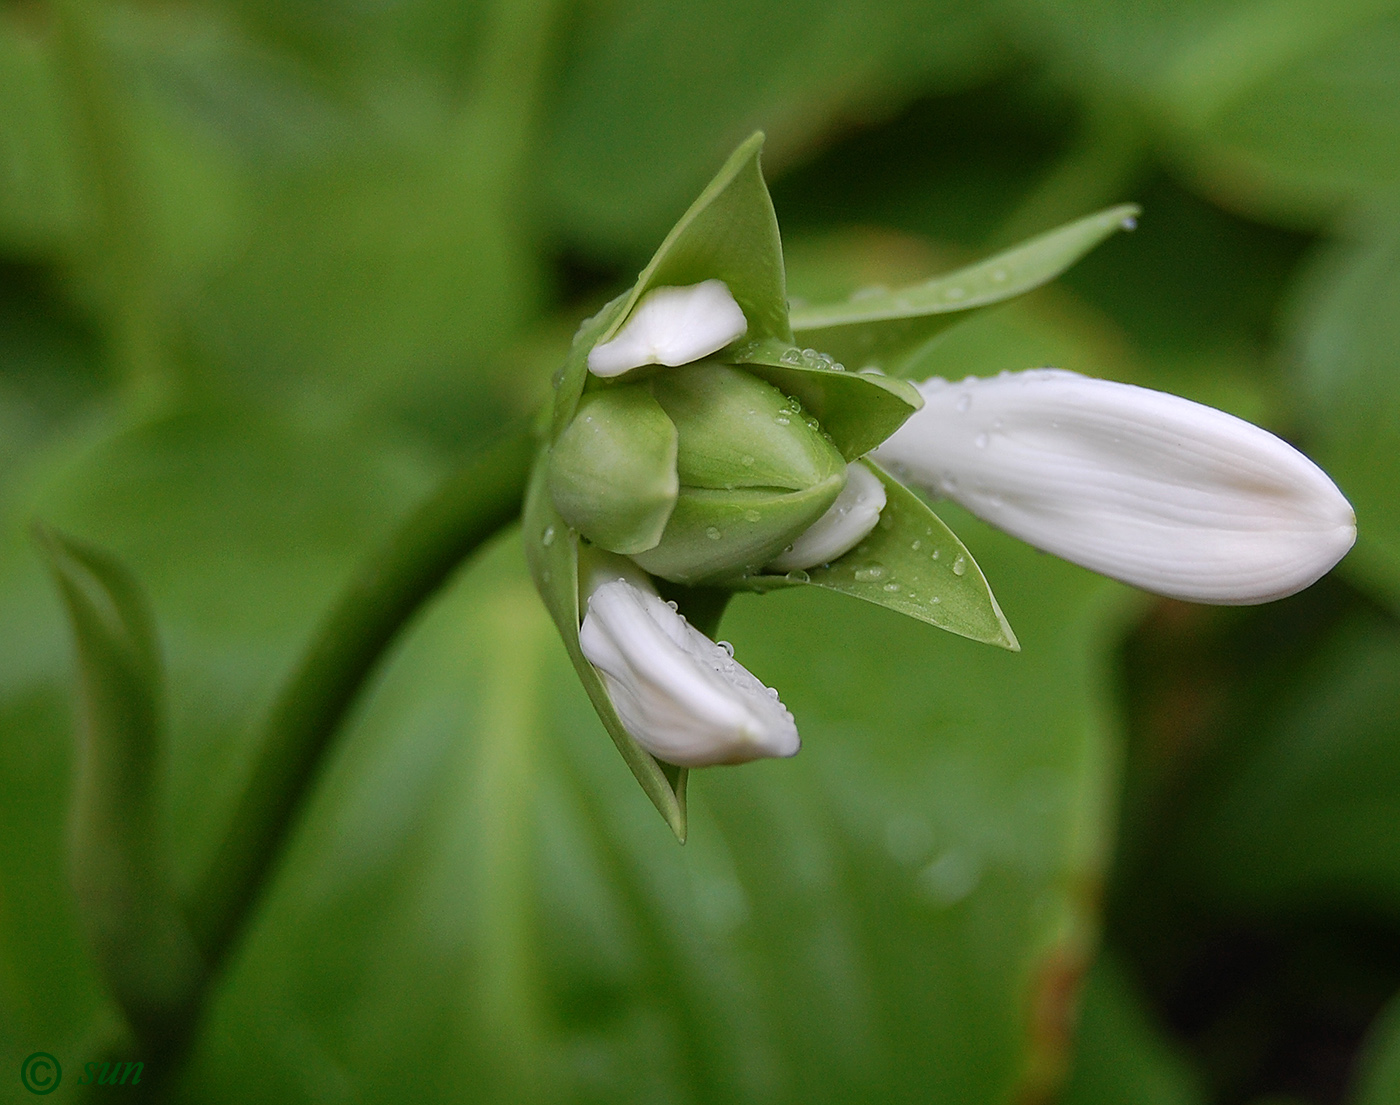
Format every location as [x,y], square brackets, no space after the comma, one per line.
[754,474]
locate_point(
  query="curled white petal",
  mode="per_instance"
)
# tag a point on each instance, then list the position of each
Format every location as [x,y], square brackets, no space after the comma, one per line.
[842,527]
[672,326]
[1149,488]
[682,696]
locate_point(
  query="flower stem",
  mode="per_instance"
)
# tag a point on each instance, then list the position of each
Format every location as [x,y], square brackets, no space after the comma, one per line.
[379,602]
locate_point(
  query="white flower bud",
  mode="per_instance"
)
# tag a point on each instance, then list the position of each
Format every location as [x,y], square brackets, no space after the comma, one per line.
[672,326]
[1149,488]
[842,527]
[681,695]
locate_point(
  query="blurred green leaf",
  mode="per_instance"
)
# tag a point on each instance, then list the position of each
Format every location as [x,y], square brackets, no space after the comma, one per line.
[1377,1080]
[652,94]
[1346,328]
[119,863]
[1299,808]
[888,329]
[913,563]
[40,202]
[1121,1055]
[868,921]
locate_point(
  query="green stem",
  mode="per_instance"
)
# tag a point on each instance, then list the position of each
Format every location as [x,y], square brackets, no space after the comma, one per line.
[378,604]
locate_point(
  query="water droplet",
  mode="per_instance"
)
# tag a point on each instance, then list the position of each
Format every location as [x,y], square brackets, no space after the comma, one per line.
[810,354]
[1129,222]
[917,545]
[791,356]
[782,419]
[960,565]
[547,537]
[794,404]
[797,575]
[981,441]
[837,366]
[891,586]
[558,376]
[872,574]
[964,403]
[935,600]
[672,604]
[937,553]
[713,534]
[728,648]
[752,516]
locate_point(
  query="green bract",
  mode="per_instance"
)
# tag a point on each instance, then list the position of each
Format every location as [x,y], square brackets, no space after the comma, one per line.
[705,473]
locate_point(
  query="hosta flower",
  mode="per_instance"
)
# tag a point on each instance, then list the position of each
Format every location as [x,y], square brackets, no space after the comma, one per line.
[704,439]
[682,696]
[1149,488]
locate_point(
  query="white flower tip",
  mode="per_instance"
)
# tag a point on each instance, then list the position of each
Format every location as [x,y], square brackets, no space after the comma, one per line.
[1148,488]
[680,695]
[844,525]
[672,326]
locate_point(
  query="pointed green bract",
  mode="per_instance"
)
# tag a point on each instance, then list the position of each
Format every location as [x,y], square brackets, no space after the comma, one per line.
[612,472]
[730,233]
[858,410]
[914,564]
[886,329]
[118,866]
[551,550]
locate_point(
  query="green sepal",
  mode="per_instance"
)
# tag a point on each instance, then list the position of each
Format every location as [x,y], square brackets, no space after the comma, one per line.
[887,330]
[119,868]
[729,233]
[912,563]
[612,472]
[858,410]
[551,550]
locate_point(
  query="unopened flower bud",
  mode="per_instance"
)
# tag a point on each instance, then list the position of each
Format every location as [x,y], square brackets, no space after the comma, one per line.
[612,473]
[672,326]
[1146,487]
[680,695]
[754,472]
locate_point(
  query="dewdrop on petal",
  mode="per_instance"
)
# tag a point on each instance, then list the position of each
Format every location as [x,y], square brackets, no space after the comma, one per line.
[672,326]
[1148,488]
[844,526]
[679,694]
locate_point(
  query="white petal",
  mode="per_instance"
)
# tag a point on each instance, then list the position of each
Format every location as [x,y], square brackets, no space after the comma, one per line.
[1149,488]
[842,527]
[672,326]
[681,695]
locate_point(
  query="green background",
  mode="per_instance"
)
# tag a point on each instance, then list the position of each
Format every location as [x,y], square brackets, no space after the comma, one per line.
[271,268]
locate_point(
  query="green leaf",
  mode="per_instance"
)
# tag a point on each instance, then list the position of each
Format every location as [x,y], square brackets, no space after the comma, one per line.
[612,473]
[1346,324]
[887,329]
[119,867]
[730,233]
[1377,1079]
[875,919]
[551,550]
[913,563]
[1121,1055]
[859,410]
